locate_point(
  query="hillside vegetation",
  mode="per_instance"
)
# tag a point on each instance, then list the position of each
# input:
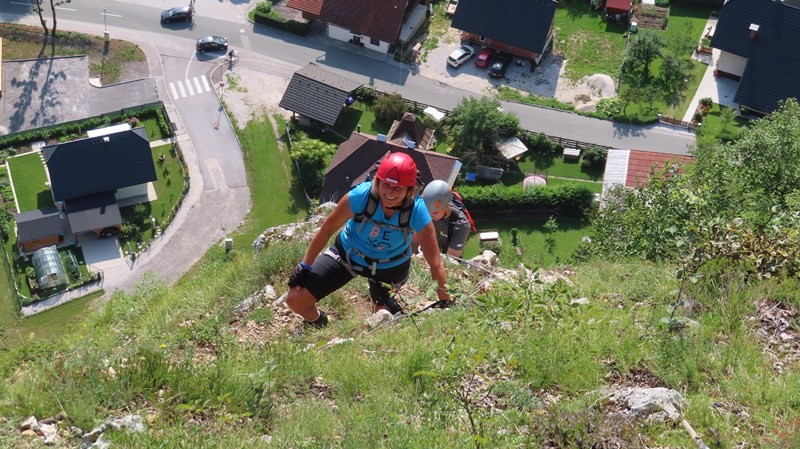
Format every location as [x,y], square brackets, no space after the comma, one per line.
[690,285]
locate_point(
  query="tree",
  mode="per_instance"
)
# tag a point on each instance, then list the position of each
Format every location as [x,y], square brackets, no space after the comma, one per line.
[39,8]
[388,108]
[477,122]
[726,115]
[674,73]
[759,170]
[640,53]
[312,157]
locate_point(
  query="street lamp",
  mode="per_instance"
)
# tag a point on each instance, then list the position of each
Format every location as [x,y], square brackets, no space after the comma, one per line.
[105,25]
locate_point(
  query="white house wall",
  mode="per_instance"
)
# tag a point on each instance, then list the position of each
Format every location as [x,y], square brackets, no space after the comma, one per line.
[731,63]
[128,192]
[341,34]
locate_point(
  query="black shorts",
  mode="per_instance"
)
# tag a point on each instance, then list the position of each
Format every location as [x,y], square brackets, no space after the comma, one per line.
[329,273]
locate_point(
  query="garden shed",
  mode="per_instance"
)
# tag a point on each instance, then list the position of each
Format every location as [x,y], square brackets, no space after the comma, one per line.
[49,269]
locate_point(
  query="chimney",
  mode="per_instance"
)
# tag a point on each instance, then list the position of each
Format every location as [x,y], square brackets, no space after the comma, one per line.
[753,30]
[381,137]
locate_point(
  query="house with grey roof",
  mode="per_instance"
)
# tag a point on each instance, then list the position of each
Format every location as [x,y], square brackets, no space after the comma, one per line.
[759,41]
[523,28]
[90,179]
[317,94]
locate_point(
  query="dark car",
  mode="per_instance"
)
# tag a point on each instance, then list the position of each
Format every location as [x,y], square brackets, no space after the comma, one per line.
[211,43]
[484,58]
[109,232]
[177,14]
[500,65]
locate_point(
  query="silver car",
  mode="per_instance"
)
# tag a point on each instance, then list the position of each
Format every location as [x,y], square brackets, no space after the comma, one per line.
[460,55]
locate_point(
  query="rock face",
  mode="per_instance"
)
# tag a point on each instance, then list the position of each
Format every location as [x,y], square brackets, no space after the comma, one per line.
[294,231]
[655,405]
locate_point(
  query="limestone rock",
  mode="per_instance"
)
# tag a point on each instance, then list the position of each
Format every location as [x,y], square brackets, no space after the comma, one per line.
[655,405]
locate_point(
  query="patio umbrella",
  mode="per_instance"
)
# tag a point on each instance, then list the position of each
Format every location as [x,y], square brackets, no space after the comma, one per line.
[533,181]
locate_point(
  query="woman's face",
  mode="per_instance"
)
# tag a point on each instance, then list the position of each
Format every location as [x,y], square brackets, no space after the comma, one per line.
[392,195]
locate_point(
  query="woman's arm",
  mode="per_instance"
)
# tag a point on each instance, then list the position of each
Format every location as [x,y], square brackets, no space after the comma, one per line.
[430,250]
[333,222]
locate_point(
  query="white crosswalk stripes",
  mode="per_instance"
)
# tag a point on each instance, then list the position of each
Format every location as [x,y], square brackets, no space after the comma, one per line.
[189,87]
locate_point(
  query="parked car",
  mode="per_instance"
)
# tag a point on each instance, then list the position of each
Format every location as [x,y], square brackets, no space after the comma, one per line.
[177,14]
[109,232]
[500,65]
[485,57]
[460,55]
[211,43]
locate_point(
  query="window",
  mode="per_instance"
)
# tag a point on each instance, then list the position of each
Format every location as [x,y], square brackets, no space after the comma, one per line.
[374,41]
[482,39]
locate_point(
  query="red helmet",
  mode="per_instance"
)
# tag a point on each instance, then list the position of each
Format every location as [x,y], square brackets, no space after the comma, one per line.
[399,169]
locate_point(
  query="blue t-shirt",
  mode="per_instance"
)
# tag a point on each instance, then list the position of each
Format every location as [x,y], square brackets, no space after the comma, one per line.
[378,242]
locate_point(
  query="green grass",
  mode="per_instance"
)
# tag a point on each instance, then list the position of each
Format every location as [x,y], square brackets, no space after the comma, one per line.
[713,125]
[588,43]
[52,323]
[269,177]
[532,238]
[553,166]
[29,178]
[169,182]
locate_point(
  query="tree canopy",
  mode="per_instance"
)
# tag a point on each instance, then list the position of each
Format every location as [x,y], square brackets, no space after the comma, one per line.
[477,122]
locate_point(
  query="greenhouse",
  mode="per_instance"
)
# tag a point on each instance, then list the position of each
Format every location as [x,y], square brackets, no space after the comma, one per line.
[49,269]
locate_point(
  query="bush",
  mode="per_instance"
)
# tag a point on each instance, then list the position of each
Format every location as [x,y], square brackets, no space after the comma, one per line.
[569,200]
[389,107]
[365,94]
[264,15]
[264,8]
[593,156]
[30,272]
[662,3]
[541,144]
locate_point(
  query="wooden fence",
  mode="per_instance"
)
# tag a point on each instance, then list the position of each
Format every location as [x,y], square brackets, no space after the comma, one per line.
[675,122]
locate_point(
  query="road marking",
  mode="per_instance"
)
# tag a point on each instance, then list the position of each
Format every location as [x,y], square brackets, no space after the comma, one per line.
[111,15]
[21,4]
[65,9]
[200,84]
[174,90]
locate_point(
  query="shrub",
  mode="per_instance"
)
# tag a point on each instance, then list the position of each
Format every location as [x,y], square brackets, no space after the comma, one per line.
[541,144]
[593,156]
[662,3]
[365,94]
[569,200]
[264,7]
[389,107]
[30,272]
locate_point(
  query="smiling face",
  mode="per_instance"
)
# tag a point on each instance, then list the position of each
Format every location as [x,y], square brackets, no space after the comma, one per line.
[392,195]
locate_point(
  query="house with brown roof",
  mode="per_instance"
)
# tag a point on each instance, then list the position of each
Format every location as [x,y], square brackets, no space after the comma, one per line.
[375,24]
[309,8]
[357,157]
[632,168]
[410,129]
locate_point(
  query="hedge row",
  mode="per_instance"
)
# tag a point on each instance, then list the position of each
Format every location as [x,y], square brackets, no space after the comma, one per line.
[78,127]
[276,21]
[569,200]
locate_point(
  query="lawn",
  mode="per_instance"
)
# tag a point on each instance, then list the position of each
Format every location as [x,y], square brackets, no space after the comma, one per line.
[533,239]
[30,182]
[543,165]
[269,176]
[714,125]
[169,185]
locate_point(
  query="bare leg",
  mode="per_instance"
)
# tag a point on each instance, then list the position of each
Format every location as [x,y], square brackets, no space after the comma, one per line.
[302,303]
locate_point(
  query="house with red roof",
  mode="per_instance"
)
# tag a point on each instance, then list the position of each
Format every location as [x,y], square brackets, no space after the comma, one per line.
[618,7]
[632,168]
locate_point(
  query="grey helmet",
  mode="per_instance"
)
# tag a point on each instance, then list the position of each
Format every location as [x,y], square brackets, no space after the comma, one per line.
[437,195]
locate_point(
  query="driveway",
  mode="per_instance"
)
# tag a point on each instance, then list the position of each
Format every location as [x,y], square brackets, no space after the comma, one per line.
[101,253]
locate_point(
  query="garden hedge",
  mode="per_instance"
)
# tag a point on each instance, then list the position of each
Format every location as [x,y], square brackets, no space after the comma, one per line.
[568,200]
